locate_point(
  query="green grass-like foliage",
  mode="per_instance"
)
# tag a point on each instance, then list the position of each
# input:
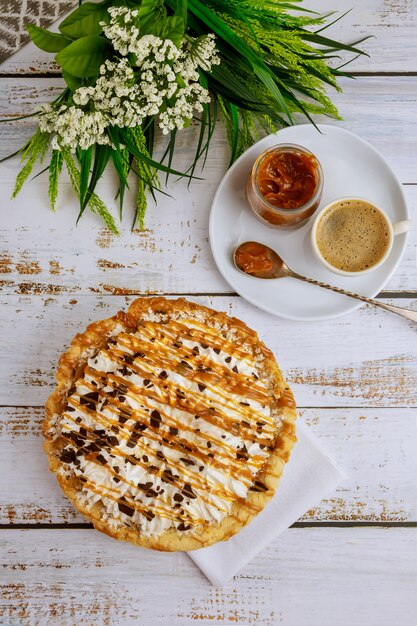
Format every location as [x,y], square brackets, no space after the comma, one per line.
[94,202]
[274,67]
[35,149]
[55,168]
[274,64]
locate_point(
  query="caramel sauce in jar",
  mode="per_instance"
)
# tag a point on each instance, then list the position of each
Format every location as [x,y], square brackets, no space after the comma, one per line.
[285,185]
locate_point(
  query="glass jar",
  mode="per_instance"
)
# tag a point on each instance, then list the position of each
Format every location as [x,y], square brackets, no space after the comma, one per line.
[285,185]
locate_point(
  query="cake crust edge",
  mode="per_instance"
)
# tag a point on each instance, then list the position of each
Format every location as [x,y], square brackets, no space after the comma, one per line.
[71,365]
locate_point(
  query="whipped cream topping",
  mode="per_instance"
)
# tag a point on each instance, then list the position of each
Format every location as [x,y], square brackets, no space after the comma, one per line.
[168,426]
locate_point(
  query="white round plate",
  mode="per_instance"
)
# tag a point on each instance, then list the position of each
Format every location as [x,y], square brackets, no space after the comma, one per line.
[351,167]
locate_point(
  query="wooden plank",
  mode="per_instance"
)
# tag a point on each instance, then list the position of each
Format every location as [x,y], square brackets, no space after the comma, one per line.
[172,255]
[392,49]
[366,359]
[374,447]
[333,576]
[367,105]
[391,24]
[45,253]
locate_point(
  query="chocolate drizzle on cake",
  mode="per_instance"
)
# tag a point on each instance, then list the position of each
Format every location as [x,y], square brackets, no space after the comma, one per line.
[136,409]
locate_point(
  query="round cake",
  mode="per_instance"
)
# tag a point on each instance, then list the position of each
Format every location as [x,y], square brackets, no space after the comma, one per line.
[170,425]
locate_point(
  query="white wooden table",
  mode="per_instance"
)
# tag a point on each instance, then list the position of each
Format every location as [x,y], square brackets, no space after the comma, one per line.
[351,559]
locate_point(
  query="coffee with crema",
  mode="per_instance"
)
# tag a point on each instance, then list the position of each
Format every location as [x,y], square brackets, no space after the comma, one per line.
[352,235]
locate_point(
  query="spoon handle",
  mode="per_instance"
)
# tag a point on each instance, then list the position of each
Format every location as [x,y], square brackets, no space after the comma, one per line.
[411,315]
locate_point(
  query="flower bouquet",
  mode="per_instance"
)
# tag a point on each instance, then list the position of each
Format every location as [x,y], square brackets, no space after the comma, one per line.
[132,66]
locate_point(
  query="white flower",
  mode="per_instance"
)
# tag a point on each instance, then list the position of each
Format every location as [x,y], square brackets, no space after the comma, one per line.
[75,127]
[55,143]
[163,80]
[188,99]
[204,52]
[82,95]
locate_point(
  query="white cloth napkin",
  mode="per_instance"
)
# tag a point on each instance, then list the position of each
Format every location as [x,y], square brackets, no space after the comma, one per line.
[309,476]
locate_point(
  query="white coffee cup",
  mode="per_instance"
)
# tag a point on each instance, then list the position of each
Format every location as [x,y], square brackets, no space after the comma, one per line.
[394,229]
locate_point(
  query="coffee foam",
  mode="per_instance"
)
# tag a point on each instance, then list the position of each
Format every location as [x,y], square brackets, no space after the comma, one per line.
[352,235]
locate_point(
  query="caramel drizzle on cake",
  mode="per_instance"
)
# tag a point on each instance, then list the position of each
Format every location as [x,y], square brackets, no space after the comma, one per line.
[182,408]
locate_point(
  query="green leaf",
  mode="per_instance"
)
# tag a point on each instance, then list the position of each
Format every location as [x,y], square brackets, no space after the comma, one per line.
[95,203]
[340,17]
[33,151]
[55,167]
[151,15]
[223,75]
[265,75]
[85,21]
[119,167]
[223,82]
[101,158]
[173,28]
[7,120]
[150,138]
[45,169]
[181,9]
[45,40]
[139,156]
[152,19]
[148,174]
[234,115]
[82,58]
[219,26]
[333,45]
[212,120]
[84,158]
[72,81]
[231,117]
[141,204]
[204,123]
[126,160]
[13,154]
[171,150]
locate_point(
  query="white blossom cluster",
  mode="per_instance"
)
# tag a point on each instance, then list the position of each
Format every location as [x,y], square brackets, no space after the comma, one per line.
[168,74]
[188,99]
[122,29]
[126,38]
[201,52]
[73,127]
[117,94]
[163,80]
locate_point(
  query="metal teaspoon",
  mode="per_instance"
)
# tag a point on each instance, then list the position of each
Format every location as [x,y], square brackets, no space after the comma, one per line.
[277,268]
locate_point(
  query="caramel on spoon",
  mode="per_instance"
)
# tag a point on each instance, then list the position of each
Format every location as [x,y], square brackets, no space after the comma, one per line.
[260,261]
